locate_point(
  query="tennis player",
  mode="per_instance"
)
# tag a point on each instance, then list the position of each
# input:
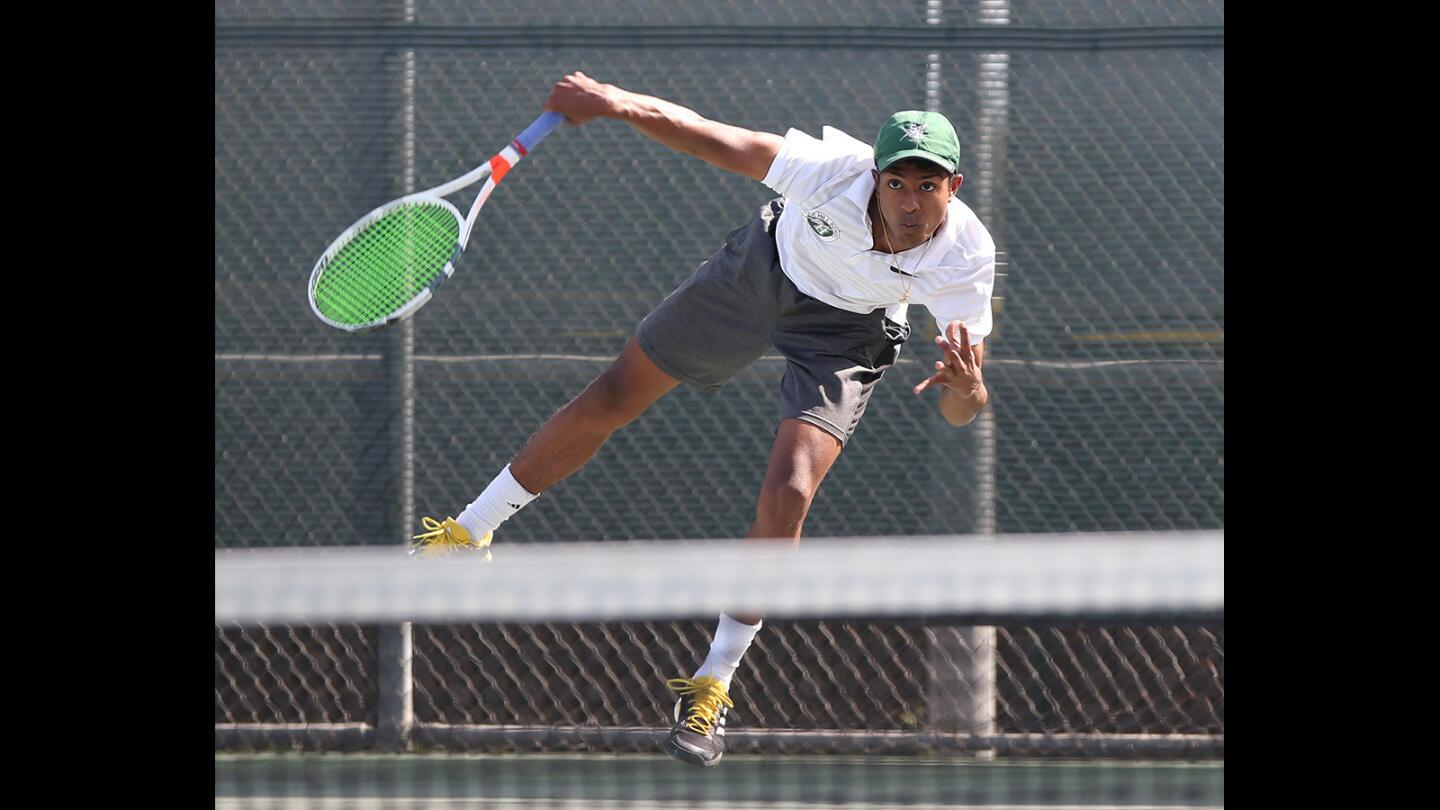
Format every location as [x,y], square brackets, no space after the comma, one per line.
[824,275]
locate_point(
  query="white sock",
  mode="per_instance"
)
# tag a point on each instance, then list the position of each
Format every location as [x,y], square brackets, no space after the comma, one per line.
[503,498]
[732,639]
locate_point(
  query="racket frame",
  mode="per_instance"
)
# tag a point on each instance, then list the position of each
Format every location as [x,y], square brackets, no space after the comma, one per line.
[504,161]
[364,222]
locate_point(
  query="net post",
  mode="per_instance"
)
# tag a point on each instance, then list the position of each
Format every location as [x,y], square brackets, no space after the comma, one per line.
[395,722]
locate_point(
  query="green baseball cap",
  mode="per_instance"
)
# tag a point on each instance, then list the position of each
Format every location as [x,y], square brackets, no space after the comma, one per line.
[915,133]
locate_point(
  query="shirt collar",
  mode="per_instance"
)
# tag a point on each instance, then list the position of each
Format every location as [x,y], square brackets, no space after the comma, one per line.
[859,194]
[859,191]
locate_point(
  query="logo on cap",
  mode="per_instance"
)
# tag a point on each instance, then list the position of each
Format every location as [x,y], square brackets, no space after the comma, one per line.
[915,131]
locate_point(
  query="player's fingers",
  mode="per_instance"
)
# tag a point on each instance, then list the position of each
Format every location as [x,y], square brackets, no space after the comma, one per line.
[570,120]
[551,105]
[960,339]
[949,351]
[927,383]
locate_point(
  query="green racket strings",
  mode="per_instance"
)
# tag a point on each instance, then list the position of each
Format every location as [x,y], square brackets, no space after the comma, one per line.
[387,263]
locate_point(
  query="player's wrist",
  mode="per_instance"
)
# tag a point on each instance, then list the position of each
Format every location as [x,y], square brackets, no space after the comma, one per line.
[620,103]
[960,406]
[973,392]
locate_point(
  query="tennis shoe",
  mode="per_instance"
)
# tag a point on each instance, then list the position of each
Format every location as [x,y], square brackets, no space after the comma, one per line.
[442,538]
[698,736]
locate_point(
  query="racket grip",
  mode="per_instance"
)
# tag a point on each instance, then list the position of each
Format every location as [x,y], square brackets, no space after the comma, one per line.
[536,132]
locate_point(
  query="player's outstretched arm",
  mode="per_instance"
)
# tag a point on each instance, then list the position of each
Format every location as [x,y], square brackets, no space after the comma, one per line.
[962,387]
[735,149]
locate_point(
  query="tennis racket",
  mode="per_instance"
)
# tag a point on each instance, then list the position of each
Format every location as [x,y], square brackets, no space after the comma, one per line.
[386,266]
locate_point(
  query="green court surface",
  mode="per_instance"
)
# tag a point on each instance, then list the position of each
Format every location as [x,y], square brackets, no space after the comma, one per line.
[741,781]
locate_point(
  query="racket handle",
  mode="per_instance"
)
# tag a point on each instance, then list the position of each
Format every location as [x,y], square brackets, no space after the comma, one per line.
[536,132]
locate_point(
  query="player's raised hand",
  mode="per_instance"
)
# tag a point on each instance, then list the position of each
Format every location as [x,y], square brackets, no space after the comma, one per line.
[580,98]
[957,367]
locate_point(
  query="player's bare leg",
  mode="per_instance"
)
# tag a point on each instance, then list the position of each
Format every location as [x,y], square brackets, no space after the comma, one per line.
[562,445]
[573,435]
[799,461]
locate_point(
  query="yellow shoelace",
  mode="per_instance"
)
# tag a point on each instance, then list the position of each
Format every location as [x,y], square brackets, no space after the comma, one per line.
[707,696]
[444,537]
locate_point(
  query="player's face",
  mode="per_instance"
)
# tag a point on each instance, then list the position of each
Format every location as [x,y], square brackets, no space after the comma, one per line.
[913,199]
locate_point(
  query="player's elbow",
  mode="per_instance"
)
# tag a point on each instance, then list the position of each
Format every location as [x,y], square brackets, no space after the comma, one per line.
[745,152]
[961,420]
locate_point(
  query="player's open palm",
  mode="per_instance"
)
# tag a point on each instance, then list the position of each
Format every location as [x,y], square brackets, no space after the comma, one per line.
[958,366]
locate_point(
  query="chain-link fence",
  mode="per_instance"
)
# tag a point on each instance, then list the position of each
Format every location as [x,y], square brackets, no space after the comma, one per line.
[1077,683]
[1093,149]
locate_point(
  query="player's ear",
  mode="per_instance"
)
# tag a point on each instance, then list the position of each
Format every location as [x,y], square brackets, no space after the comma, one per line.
[955,183]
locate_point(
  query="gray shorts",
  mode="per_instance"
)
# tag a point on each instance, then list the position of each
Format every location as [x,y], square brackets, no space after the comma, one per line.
[739,304]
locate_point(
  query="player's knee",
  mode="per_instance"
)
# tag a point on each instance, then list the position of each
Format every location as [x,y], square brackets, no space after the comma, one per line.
[785,503]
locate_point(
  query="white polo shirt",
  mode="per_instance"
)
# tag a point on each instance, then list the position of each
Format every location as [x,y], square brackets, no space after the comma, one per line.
[826,248]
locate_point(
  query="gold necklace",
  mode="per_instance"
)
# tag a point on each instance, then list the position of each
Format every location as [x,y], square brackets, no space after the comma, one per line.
[904,287]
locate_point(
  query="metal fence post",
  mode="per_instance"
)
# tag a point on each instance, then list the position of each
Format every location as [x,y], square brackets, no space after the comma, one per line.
[963,696]
[397,697]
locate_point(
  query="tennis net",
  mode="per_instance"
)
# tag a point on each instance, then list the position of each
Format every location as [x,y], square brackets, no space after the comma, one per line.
[1048,670]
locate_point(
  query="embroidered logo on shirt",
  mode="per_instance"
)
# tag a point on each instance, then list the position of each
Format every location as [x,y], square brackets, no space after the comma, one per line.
[915,132]
[823,226]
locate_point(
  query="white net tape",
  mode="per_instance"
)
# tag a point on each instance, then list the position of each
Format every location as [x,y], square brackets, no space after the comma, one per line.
[884,576]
